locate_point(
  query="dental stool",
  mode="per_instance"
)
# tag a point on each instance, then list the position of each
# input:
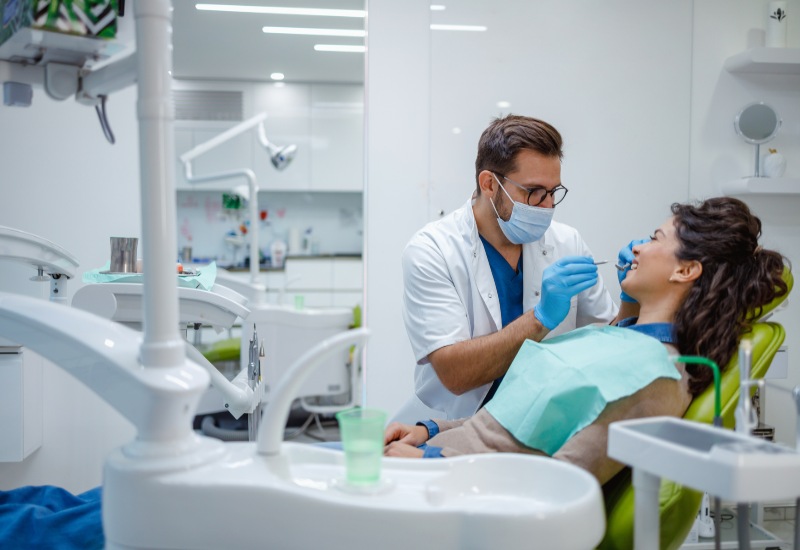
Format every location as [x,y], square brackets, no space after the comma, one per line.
[679,505]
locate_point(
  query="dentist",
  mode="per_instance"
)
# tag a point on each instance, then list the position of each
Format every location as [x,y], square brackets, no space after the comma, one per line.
[495,272]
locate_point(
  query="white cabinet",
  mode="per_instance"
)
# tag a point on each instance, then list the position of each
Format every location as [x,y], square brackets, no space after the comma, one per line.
[234,154]
[317,281]
[324,282]
[347,274]
[21,403]
[337,138]
[288,122]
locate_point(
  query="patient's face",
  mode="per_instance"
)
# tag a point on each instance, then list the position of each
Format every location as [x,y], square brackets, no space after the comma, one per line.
[654,262]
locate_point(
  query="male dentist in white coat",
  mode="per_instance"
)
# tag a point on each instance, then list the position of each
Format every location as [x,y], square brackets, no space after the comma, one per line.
[495,272]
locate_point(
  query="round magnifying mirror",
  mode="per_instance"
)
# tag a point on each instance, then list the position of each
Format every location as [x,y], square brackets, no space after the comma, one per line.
[757,123]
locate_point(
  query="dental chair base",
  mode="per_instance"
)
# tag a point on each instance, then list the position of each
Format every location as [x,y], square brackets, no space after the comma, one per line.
[229,496]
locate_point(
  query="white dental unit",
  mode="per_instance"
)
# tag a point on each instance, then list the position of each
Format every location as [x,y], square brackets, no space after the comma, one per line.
[218,307]
[51,262]
[171,488]
[285,331]
[22,381]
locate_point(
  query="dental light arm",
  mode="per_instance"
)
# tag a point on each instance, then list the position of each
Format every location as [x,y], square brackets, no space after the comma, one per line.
[104,355]
[50,260]
[219,139]
[240,398]
[280,158]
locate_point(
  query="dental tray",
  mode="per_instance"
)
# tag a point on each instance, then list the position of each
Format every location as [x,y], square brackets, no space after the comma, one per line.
[730,465]
[184,273]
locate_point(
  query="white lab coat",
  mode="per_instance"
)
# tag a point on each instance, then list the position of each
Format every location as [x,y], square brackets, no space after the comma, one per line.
[450,296]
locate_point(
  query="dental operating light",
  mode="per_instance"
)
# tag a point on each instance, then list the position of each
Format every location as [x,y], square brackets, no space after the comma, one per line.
[280,157]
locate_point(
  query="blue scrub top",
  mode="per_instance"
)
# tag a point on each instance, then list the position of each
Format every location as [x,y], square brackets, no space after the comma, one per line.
[508,282]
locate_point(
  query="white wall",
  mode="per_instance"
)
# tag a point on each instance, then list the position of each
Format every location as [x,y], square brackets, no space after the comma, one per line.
[334,220]
[396,186]
[61,180]
[723,28]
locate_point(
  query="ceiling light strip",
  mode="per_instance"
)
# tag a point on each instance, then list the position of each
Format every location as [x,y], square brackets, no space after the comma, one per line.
[315,32]
[474,28]
[274,10]
[339,48]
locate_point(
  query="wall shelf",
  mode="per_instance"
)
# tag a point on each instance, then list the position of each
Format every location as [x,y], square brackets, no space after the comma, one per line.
[762,186]
[765,60]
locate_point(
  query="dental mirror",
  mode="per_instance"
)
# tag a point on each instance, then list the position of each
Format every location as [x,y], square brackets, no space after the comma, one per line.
[757,123]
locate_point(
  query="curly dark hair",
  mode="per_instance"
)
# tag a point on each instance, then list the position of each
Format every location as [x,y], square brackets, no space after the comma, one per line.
[507,136]
[739,277]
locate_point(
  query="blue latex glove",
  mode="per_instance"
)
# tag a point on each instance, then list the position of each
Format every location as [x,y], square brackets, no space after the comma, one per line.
[561,281]
[625,258]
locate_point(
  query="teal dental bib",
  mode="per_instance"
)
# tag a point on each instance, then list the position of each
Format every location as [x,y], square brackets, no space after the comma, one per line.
[555,388]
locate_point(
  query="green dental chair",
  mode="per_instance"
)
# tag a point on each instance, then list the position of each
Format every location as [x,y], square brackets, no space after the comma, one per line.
[679,505]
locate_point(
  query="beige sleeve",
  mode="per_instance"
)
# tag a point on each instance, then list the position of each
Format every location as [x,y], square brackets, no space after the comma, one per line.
[445,425]
[588,448]
[480,433]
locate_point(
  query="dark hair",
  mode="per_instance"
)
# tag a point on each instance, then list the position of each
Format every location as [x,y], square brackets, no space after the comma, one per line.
[507,136]
[738,279]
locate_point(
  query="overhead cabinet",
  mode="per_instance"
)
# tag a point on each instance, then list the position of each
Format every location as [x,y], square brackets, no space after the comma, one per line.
[325,122]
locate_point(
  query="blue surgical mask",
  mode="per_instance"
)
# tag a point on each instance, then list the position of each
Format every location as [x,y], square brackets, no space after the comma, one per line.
[527,223]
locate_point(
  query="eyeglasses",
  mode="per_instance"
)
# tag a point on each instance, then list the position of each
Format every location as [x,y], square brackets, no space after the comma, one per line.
[536,195]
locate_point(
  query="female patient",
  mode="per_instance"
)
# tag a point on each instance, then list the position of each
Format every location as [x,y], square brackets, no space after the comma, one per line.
[698,282]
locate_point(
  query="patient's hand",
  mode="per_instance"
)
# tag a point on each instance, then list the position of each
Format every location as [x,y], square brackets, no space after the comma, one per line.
[404,433]
[402,450]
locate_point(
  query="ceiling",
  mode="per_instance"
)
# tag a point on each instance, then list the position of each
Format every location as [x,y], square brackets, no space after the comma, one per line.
[231,46]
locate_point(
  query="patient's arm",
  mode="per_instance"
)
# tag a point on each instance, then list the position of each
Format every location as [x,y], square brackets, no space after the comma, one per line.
[588,448]
[445,425]
[405,433]
[402,450]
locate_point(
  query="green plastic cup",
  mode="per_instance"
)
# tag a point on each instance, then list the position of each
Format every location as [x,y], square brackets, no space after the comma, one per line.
[362,439]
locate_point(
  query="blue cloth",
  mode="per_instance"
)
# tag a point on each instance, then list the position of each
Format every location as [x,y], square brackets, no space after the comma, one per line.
[508,282]
[663,332]
[49,517]
[433,427]
[431,451]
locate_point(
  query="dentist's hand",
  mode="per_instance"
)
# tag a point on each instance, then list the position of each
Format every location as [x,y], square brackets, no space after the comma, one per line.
[561,281]
[625,258]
